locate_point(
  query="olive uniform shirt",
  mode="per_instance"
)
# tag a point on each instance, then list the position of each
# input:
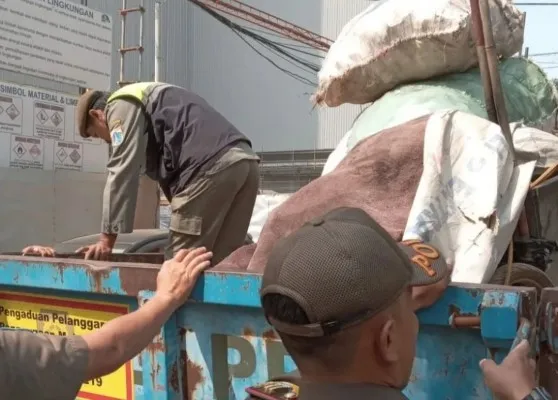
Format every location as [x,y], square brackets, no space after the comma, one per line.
[126,162]
[128,159]
[334,391]
[41,367]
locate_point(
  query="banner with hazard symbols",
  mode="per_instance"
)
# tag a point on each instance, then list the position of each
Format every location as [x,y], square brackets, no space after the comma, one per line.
[37,130]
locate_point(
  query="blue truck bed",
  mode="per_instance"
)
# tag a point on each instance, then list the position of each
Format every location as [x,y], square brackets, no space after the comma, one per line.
[219,342]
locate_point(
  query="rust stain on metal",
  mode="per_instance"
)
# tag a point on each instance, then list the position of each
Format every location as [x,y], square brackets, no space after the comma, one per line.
[155,347]
[174,377]
[459,320]
[134,278]
[465,321]
[497,300]
[453,310]
[270,335]
[474,292]
[155,372]
[98,276]
[192,376]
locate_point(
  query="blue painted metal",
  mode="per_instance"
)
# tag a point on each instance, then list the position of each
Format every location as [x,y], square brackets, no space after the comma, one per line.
[503,307]
[160,361]
[219,343]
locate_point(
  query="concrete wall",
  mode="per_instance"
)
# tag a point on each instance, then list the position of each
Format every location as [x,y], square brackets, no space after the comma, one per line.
[46,207]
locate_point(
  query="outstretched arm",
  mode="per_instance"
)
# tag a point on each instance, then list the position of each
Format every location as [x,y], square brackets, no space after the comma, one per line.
[127,126]
[44,367]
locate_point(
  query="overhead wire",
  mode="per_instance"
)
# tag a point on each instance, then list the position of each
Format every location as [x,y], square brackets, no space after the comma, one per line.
[281,50]
[285,51]
[270,33]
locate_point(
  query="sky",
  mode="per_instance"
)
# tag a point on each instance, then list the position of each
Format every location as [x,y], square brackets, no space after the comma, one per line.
[541,33]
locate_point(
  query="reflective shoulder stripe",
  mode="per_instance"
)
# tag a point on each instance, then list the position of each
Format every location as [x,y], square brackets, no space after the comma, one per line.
[136,90]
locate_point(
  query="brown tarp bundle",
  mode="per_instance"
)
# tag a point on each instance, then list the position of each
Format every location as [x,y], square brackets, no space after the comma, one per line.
[380,175]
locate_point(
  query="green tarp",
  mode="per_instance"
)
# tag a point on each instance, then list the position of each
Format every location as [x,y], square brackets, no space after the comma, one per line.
[530,98]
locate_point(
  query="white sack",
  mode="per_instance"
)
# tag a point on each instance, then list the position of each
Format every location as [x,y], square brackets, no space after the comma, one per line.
[265,204]
[400,41]
[470,194]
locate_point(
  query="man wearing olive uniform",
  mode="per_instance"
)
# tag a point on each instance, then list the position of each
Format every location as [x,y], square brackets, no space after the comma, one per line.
[342,295]
[205,167]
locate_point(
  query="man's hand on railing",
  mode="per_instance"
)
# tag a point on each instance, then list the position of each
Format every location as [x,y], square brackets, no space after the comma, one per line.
[514,378]
[42,251]
[425,296]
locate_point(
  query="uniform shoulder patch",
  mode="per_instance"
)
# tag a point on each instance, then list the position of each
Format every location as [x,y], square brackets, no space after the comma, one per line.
[115,123]
[116,136]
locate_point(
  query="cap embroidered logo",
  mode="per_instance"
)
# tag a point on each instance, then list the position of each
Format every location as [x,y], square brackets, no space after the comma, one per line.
[424,257]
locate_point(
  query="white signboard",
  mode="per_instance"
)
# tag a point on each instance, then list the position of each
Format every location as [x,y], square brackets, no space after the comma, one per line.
[10,114]
[58,40]
[37,130]
[68,155]
[27,152]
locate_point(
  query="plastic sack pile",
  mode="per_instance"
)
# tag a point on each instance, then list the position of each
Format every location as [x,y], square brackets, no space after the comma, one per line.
[398,41]
[471,194]
[531,98]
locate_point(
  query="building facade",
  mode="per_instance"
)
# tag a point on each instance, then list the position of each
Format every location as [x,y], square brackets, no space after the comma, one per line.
[199,53]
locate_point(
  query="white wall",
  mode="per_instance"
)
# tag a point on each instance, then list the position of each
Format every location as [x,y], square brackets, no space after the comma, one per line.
[47,207]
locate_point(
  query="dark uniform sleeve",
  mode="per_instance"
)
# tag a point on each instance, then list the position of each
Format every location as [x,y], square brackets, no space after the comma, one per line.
[41,367]
[127,126]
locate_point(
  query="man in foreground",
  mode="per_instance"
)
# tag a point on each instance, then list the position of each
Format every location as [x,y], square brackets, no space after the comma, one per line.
[341,294]
[205,167]
[43,367]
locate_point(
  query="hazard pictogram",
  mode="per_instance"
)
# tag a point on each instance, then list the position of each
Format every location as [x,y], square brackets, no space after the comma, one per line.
[74,156]
[62,155]
[56,119]
[42,116]
[35,151]
[19,150]
[12,112]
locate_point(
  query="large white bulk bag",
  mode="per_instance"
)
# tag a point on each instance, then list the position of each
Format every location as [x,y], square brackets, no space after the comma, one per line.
[400,41]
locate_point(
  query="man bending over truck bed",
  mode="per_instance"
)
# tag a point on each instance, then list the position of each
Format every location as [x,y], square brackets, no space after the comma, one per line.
[205,167]
[43,367]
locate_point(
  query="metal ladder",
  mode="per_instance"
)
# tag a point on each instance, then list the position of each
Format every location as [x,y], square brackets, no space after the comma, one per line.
[124,49]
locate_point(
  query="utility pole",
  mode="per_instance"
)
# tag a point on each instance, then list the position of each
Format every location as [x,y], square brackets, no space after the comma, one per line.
[147,206]
[158,56]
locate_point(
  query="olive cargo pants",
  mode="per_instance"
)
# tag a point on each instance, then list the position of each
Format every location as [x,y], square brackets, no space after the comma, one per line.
[215,210]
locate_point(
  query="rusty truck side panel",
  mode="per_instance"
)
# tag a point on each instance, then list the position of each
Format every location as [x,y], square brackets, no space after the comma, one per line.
[219,342]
